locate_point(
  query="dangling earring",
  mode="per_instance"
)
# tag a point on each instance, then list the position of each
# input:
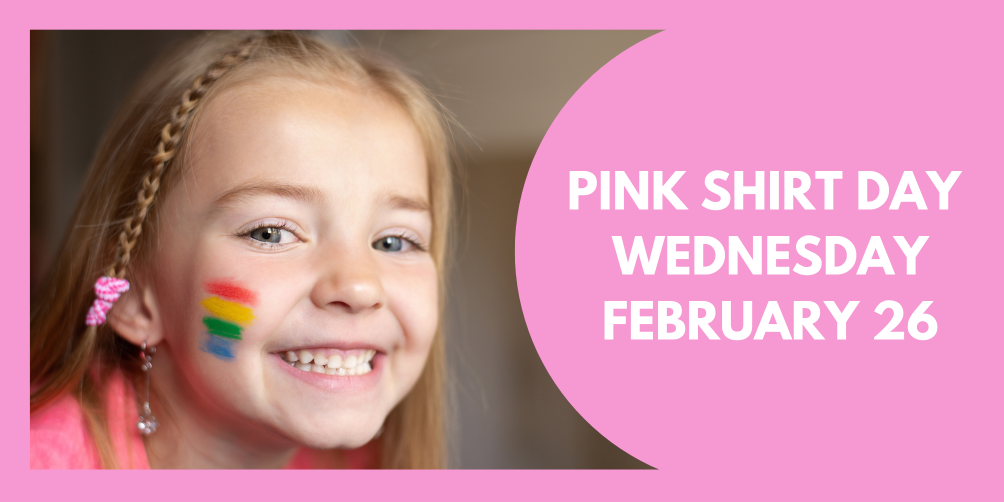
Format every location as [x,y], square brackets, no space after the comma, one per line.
[147,422]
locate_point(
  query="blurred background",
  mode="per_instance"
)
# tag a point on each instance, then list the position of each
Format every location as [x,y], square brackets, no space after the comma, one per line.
[505,88]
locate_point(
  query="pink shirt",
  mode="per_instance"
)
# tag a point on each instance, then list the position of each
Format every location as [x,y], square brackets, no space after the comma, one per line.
[60,437]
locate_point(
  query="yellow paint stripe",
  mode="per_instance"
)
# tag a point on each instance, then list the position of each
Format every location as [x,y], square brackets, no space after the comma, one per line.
[230,311]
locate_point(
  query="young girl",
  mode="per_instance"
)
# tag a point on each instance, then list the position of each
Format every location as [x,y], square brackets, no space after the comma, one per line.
[254,275]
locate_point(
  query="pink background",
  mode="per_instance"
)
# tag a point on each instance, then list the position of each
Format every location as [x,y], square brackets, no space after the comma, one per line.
[785,88]
[781,86]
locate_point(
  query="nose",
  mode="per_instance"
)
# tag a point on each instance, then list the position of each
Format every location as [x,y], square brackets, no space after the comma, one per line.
[349,281]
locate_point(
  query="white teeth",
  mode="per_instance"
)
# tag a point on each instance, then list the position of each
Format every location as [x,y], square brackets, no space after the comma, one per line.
[350,362]
[335,361]
[357,363]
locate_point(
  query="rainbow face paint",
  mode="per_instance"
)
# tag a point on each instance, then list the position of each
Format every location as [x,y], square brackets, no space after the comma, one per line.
[232,292]
[229,312]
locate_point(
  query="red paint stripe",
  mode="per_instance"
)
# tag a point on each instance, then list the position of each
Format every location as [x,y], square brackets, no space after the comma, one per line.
[231,291]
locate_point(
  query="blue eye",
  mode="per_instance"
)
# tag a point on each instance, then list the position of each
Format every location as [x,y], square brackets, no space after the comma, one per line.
[271,235]
[391,244]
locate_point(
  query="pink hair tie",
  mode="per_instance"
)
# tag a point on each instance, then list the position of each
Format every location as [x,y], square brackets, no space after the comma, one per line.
[108,290]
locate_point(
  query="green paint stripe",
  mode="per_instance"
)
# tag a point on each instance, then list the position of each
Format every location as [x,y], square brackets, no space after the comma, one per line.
[222,328]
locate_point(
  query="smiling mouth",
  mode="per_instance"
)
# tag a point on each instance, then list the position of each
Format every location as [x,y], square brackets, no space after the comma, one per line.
[330,361]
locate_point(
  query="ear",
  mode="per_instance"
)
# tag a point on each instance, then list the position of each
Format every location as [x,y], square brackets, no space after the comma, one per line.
[136,317]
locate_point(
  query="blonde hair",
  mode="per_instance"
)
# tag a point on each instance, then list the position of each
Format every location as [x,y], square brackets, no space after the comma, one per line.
[121,191]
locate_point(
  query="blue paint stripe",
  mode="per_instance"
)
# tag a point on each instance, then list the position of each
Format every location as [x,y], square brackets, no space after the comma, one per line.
[218,346]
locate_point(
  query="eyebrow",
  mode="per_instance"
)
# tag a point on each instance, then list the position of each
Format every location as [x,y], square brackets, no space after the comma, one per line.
[310,194]
[396,201]
[302,193]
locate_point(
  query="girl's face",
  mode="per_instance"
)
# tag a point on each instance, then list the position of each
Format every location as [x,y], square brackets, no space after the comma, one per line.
[293,278]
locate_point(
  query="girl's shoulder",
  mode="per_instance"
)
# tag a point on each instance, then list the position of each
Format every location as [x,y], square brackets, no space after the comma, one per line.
[61,436]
